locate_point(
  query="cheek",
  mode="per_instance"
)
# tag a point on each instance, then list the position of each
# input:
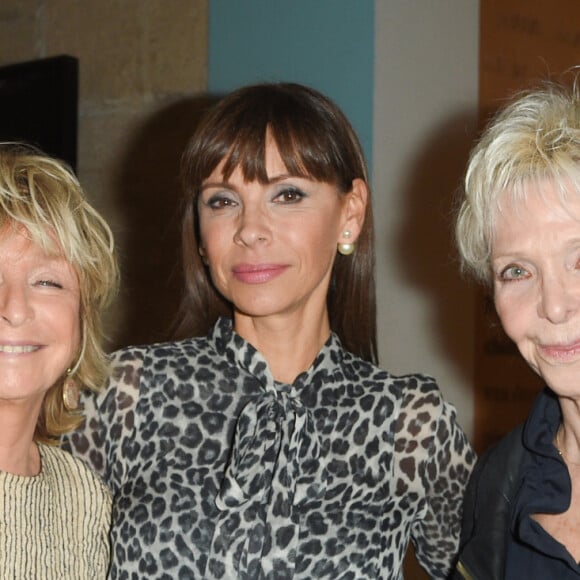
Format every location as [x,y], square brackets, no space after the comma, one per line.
[74,333]
[202,231]
[211,242]
[514,316]
[209,229]
[216,256]
[78,334]
[319,239]
[315,254]
[67,320]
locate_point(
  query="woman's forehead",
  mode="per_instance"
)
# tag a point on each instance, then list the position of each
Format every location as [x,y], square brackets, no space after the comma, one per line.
[535,198]
[42,237]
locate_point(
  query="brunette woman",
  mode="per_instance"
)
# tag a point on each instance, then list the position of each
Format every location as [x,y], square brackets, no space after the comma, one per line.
[270,445]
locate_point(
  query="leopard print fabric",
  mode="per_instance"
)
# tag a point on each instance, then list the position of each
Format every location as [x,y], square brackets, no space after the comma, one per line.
[218,471]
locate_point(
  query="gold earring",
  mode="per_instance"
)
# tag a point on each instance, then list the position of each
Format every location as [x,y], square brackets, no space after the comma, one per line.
[346,249]
[70,393]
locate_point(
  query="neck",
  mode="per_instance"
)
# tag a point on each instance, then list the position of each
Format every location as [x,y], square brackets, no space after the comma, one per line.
[288,345]
[568,435]
[19,454]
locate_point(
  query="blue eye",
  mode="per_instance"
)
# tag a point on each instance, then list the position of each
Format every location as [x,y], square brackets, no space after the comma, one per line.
[289,195]
[513,272]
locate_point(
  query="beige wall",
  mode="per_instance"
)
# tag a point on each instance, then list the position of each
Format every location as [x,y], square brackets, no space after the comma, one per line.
[425,119]
[143,64]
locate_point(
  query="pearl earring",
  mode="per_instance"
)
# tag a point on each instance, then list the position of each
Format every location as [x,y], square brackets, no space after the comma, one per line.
[347,248]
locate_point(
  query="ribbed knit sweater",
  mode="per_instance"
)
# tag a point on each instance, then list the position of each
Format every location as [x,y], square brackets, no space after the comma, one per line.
[54,525]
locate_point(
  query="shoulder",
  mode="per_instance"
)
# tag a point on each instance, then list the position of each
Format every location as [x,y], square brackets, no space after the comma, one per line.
[494,482]
[86,518]
[412,390]
[137,373]
[499,466]
[413,400]
[408,387]
[152,353]
[129,362]
[487,505]
[425,419]
[61,465]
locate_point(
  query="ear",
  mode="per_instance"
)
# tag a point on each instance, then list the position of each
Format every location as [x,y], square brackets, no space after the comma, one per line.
[203,255]
[355,206]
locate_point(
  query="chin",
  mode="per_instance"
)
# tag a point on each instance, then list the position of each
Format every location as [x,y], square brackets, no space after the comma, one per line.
[563,386]
[257,310]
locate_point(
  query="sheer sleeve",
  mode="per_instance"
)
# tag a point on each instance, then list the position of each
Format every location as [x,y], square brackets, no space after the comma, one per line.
[447,461]
[107,440]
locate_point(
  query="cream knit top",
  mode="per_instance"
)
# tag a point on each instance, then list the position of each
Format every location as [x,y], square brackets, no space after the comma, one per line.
[54,525]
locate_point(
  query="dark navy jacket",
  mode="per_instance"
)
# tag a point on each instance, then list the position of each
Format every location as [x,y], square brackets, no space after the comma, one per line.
[521,475]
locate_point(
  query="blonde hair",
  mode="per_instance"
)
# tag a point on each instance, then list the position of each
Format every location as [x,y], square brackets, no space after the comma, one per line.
[43,196]
[535,138]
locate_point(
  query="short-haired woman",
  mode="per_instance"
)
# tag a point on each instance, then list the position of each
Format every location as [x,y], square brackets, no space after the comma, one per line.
[57,273]
[519,232]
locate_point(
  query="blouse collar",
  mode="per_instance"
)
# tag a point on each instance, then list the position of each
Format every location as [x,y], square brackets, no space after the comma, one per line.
[239,352]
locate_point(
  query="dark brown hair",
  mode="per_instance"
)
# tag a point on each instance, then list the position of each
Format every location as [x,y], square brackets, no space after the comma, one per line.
[315,140]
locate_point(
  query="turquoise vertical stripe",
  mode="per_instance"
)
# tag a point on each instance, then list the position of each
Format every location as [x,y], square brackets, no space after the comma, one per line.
[327,44]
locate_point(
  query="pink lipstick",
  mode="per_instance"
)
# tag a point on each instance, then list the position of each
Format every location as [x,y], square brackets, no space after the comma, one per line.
[561,352]
[257,273]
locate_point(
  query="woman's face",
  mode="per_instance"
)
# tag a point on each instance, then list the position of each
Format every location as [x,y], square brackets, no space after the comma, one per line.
[39,317]
[271,247]
[536,266]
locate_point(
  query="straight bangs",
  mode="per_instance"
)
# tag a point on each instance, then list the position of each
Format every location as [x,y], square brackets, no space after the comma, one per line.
[305,153]
[308,137]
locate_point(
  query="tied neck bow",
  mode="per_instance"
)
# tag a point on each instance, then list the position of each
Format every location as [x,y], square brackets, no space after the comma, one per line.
[270,472]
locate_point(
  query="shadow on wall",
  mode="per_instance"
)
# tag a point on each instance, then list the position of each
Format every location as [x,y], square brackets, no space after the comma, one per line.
[150,201]
[426,253]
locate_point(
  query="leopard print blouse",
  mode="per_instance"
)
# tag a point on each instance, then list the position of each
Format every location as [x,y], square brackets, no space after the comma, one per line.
[218,471]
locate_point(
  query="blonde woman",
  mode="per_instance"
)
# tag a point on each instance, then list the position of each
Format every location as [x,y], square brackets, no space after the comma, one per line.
[57,273]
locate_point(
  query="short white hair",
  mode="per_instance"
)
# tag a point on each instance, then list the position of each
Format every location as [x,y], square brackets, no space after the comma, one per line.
[533,139]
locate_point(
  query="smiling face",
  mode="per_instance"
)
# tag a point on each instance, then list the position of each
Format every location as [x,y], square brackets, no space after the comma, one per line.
[271,247]
[536,267]
[39,318]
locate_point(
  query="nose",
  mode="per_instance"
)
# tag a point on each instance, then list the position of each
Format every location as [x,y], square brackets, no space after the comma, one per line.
[559,299]
[253,227]
[15,308]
